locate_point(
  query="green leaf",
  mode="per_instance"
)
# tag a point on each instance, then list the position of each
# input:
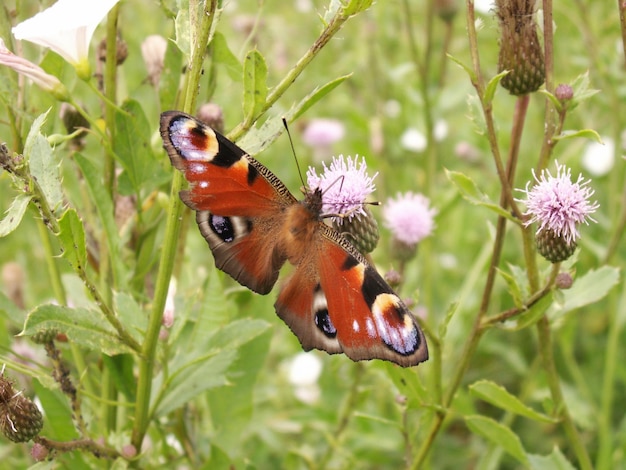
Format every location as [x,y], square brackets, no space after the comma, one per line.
[467,68]
[132,316]
[586,290]
[500,397]
[84,327]
[169,80]
[555,461]
[72,236]
[532,315]
[258,139]
[585,133]
[104,205]
[254,85]
[514,288]
[356,6]
[315,96]
[132,145]
[473,195]
[223,55]
[492,86]
[14,214]
[499,434]
[203,366]
[44,166]
[58,422]
[182,26]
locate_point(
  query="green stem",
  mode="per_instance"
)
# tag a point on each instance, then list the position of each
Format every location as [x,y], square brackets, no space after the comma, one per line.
[329,31]
[547,356]
[172,231]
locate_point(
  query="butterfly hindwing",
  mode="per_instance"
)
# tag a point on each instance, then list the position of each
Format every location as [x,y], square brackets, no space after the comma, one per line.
[337,302]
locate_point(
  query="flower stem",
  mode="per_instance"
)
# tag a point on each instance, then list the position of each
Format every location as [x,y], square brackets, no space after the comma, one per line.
[199,40]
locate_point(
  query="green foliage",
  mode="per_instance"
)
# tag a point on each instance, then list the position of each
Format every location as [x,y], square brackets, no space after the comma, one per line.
[156,356]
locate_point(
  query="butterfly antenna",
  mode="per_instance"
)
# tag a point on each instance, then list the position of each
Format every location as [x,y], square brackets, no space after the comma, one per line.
[293,151]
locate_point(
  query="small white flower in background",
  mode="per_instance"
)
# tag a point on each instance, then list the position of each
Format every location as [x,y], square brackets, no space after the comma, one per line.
[440,131]
[66,28]
[409,217]
[484,6]
[304,371]
[153,50]
[168,312]
[413,140]
[47,82]
[598,159]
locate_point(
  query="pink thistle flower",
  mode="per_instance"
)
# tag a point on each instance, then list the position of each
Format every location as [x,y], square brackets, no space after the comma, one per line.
[345,185]
[323,132]
[557,204]
[409,217]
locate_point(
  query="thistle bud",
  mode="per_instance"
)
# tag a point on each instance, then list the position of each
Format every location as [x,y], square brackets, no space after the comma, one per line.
[553,247]
[361,230]
[20,419]
[212,114]
[520,51]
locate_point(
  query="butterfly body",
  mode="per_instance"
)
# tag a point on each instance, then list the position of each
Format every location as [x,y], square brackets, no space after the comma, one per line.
[334,300]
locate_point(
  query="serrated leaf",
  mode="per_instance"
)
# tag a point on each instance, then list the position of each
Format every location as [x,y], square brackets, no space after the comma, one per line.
[492,86]
[532,315]
[72,236]
[473,195]
[132,145]
[223,55]
[584,133]
[44,166]
[104,205]
[15,213]
[499,434]
[84,327]
[500,397]
[555,461]
[586,290]
[254,85]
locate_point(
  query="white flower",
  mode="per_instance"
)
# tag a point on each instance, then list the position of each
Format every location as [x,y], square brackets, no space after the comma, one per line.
[598,158]
[66,28]
[440,131]
[170,307]
[484,6]
[24,67]
[413,140]
[304,372]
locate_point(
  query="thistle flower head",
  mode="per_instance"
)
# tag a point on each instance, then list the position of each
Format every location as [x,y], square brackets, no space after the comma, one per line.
[66,28]
[345,185]
[409,218]
[323,132]
[557,204]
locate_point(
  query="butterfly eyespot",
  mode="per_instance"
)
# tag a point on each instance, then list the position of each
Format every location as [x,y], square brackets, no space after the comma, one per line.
[395,327]
[324,324]
[222,227]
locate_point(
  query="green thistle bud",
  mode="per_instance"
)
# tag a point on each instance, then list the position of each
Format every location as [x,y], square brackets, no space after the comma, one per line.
[554,248]
[520,51]
[361,230]
[20,419]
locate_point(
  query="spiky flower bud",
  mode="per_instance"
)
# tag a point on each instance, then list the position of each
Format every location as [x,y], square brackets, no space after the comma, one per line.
[520,51]
[563,281]
[212,114]
[554,247]
[20,419]
[361,230]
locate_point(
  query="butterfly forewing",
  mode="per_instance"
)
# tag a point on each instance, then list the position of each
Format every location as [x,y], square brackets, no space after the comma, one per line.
[334,300]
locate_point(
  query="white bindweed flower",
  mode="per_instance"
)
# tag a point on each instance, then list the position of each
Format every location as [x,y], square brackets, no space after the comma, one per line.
[413,140]
[24,67]
[66,28]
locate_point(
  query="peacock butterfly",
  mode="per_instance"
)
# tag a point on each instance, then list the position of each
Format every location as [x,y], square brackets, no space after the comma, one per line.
[334,300]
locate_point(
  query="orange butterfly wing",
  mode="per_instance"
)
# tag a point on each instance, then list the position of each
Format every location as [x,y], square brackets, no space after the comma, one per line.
[334,300]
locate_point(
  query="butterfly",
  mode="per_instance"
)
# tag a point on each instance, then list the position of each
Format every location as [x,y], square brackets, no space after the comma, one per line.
[334,300]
